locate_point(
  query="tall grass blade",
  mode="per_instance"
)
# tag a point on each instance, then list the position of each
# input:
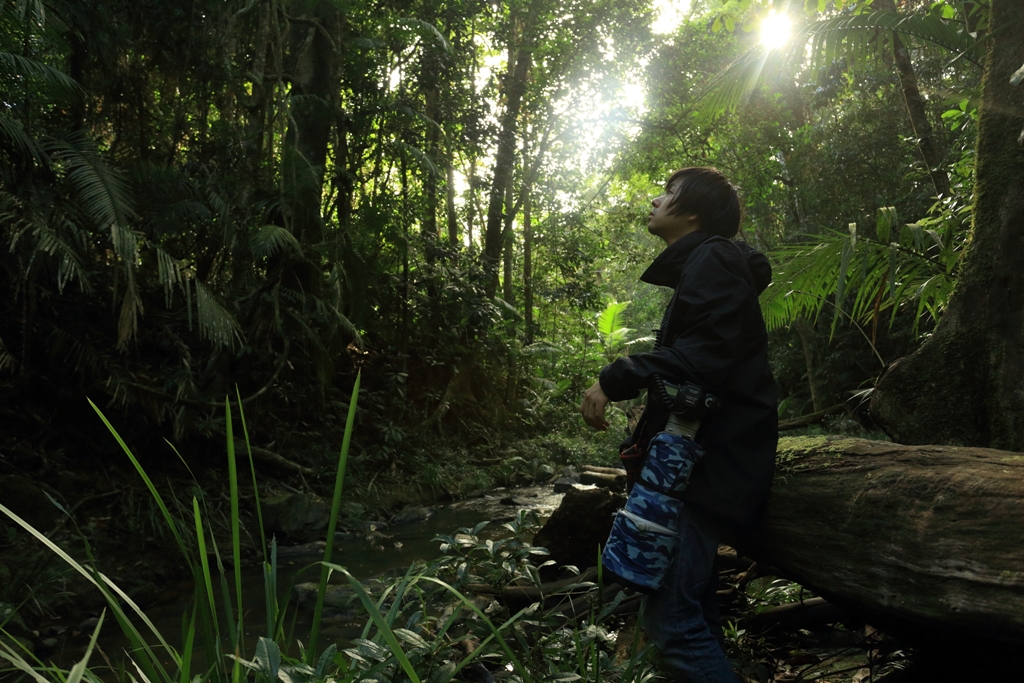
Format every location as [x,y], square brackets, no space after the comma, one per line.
[78,670]
[145,477]
[14,657]
[108,588]
[205,561]
[372,610]
[270,590]
[339,480]
[252,469]
[236,547]
[186,653]
[378,619]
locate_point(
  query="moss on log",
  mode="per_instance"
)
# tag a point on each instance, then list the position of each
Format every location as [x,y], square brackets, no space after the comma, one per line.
[927,540]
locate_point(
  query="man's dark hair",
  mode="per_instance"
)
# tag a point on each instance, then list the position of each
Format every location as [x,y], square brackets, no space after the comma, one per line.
[709,194]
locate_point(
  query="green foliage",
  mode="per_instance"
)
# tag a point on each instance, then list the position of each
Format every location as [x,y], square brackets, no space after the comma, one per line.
[413,625]
[861,278]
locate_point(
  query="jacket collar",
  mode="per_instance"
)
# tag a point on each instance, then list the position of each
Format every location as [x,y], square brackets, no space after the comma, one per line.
[668,266]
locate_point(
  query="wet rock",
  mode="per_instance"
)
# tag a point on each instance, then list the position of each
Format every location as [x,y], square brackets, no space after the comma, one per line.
[9,617]
[579,524]
[563,484]
[305,550]
[518,502]
[544,473]
[336,596]
[352,509]
[296,515]
[87,625]
[411,514]
[17,643]
[28,501]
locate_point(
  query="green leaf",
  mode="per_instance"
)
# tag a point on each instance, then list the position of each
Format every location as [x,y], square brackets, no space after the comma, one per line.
[411,637]
[885,220]
[611,319]
[268,658]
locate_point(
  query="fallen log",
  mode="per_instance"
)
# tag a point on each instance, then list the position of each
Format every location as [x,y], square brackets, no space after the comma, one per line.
[916,540]
[795,615]
[615,482]
[924,542]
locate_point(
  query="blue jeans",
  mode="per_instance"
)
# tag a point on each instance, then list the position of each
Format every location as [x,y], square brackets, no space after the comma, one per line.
[681,617]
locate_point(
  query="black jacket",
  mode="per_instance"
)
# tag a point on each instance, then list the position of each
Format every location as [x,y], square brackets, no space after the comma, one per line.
[713,334]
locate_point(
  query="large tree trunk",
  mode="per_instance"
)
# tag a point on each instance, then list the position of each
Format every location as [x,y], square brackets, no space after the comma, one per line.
[925,540]
[963,386]
[927,143]
[315,78]
[520,60]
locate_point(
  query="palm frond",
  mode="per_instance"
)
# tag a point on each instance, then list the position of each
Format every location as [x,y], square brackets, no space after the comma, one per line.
[330,312]
[216,324]
[612,318]
[15,68]
[168,274]
[103,190]
[80,355]
[6,359]
[131,311]
[425,30]
[732,86]
[417,154]
[859,278]
[272,239]
[863,29]
[16,139]
[848,37]
[68,243]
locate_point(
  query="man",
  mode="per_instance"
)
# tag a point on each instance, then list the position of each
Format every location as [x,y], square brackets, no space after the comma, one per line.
[712,334]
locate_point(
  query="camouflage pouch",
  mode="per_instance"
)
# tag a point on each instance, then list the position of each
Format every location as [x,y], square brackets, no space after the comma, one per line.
[645,532]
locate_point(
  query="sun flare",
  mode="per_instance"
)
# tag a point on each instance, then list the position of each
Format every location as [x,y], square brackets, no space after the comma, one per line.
[775,30]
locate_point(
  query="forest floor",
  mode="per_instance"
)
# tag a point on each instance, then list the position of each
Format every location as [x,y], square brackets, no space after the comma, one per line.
[111,516]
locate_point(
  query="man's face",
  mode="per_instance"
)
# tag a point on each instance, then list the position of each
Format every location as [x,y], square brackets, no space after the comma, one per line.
[669,227]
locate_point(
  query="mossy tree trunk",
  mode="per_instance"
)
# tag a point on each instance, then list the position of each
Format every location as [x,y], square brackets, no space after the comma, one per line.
[964,385]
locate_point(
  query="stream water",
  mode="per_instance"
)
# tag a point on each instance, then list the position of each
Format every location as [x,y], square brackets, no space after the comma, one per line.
[365,556]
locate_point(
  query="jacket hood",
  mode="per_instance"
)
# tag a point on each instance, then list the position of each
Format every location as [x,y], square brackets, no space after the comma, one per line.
[667,268]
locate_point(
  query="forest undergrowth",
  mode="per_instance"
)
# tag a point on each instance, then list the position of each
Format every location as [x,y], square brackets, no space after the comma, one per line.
[150,540]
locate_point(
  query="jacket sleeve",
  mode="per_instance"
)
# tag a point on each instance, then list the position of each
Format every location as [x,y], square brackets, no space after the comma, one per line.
[709,322]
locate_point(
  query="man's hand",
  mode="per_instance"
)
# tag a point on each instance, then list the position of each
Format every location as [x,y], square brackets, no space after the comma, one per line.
[594,403]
